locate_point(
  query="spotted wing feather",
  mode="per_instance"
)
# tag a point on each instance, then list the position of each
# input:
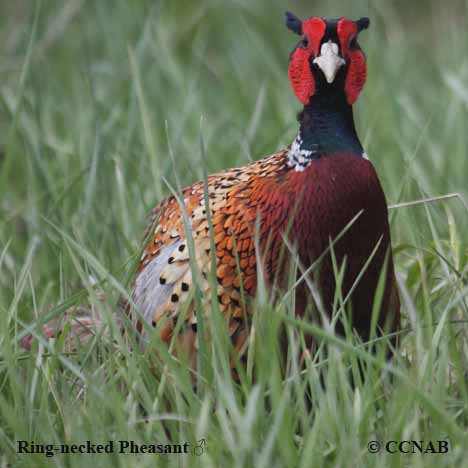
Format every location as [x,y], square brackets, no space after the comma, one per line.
[164,281]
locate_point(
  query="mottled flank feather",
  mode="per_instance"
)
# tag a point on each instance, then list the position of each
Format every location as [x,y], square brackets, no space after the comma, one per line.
[164,283]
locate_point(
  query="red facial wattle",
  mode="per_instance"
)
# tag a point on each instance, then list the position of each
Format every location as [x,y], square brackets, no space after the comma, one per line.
[357,70]
[300,73]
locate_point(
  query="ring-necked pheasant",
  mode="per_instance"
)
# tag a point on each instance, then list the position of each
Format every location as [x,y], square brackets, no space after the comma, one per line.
[307,192]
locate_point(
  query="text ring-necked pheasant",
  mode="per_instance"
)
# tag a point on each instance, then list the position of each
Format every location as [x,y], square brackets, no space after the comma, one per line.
[307,192]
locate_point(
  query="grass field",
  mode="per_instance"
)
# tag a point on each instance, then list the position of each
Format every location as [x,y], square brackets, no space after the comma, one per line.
[93,97]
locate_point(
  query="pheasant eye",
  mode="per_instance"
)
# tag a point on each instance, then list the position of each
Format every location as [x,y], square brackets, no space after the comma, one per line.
[305,42]
[353,45]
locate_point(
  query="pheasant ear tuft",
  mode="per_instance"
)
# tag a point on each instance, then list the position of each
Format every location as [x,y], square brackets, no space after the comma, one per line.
[362,23]
[293,23]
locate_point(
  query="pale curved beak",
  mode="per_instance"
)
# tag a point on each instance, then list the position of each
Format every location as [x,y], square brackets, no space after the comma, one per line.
[329,61]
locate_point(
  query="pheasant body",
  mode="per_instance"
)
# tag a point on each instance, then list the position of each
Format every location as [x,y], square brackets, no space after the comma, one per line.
[268,189]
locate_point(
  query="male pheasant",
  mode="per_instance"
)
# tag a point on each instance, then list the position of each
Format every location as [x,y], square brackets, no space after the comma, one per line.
[306,193]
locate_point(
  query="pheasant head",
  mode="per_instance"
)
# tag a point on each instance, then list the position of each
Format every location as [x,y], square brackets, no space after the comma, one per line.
[328,58]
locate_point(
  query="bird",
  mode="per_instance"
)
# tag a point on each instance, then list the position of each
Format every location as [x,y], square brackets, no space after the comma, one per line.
[317,202]
[234,228]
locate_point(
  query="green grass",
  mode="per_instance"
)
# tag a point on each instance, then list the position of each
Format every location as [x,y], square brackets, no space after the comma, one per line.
[92,95]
